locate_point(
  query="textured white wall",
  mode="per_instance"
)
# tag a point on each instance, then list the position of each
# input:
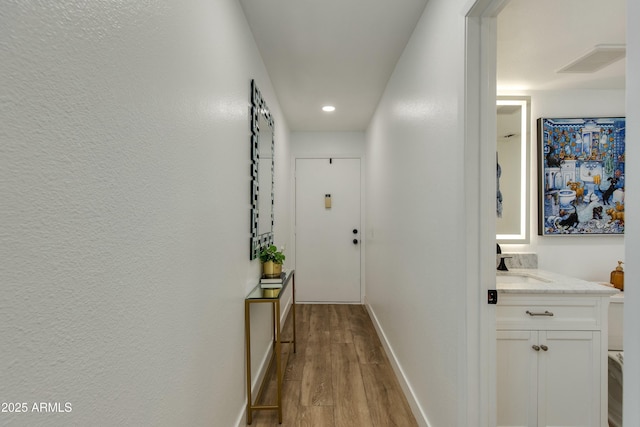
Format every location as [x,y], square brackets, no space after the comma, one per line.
[125,209]
[415,218]
[587,257]
[327,144]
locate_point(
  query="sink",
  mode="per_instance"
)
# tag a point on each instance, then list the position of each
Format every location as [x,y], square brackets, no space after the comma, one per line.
[503,278]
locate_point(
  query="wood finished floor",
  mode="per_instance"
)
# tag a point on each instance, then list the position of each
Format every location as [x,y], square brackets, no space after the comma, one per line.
[339,376]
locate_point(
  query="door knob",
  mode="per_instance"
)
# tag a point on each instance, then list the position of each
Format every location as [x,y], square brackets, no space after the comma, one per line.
[355,241]
[355,231]
[544,347]
[535,347]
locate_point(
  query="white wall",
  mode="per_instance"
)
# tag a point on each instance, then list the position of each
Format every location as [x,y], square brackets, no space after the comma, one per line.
[125,210]
[587,257]
[415,215]
[632,226]
[328,144]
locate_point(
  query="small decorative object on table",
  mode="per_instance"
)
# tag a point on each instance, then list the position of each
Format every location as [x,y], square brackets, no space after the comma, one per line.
[272,260]
[273,283]
[617,277]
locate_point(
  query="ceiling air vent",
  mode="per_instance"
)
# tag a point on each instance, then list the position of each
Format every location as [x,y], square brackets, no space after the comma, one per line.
[597,58]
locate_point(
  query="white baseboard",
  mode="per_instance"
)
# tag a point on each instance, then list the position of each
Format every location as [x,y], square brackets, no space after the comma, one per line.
[418,413]
[330,302]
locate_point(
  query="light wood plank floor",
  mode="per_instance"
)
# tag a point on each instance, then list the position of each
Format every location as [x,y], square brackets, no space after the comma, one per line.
[339,376]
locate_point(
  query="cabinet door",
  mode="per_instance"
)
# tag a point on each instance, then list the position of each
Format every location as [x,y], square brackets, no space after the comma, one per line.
[517,378]
[569,378]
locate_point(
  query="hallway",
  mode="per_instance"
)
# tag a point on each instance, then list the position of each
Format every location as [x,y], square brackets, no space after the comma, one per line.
[340,375]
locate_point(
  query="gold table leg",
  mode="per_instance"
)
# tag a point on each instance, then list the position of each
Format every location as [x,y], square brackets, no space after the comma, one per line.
[247,334]
[278,359]
[277,352]
[293,307]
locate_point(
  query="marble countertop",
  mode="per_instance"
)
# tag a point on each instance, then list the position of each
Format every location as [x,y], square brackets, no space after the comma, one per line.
[534,281]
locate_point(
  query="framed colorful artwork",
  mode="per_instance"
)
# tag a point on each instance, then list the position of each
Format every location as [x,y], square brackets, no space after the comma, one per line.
[581,176]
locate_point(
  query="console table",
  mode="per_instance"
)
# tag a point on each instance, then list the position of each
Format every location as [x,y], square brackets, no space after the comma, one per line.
[269,296]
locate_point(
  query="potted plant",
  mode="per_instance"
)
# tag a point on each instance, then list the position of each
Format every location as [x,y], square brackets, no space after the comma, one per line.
[272,260]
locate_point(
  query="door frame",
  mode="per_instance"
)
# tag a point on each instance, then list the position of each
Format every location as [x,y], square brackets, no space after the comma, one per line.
[479,368]
[363,239]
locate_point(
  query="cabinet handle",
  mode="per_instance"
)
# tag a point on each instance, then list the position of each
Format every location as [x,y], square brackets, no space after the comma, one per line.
[535,347]
[544,347]
[533,313]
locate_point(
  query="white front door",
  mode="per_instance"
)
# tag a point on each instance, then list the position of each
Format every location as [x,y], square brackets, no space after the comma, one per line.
[328,230]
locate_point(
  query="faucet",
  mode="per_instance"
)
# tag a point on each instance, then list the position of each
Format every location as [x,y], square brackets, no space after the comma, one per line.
[502,266]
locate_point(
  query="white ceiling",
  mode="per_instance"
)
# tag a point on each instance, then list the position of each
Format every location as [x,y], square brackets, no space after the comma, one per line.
[342,52]
[537,38]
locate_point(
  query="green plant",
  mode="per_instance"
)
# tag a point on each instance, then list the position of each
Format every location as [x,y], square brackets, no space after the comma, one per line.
[271,253]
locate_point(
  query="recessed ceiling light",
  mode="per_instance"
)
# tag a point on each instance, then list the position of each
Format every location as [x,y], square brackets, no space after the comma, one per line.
[328,108]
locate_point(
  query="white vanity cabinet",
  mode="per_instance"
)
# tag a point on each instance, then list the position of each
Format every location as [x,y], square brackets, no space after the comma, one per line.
[551,359]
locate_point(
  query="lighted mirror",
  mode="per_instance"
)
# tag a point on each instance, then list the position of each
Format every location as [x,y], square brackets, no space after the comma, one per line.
[262,167]
[513,136]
